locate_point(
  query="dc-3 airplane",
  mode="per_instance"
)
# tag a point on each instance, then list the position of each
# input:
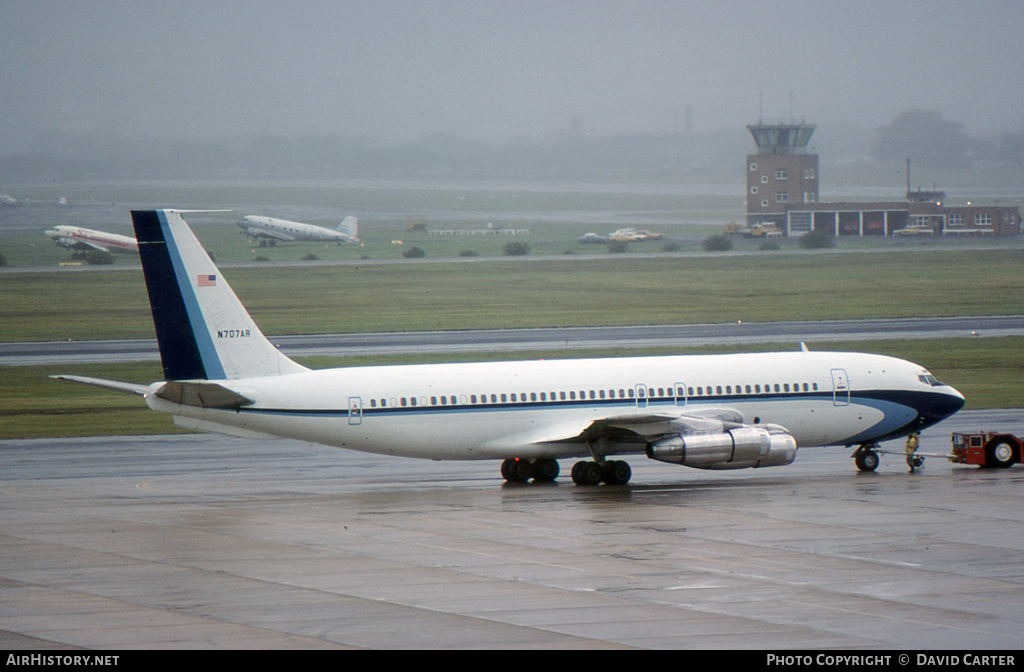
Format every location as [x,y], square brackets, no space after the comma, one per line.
[705,411]
[81,240]
[270,230]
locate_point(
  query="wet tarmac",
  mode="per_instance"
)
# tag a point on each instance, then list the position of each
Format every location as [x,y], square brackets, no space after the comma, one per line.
[199,542]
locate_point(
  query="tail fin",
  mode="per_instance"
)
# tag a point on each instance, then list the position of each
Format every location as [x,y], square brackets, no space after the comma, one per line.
[350,227]
[203,330]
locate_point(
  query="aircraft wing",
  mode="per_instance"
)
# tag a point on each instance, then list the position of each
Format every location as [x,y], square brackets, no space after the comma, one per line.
[639,426]
[257,232]
[647,426]
[84,245]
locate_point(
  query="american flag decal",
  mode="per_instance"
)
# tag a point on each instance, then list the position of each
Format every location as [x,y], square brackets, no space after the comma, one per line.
[207,281]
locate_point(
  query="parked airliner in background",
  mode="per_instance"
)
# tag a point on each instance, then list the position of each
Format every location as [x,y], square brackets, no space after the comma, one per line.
[83,240]
[706,411]
[270,230]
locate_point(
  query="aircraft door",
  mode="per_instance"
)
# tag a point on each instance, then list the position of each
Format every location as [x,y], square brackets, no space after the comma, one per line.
[840,388]
[640,391]
[355,410]
[680,393]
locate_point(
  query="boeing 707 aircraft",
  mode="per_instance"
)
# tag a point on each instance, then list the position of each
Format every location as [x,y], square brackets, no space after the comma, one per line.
[270,230]
[81,240]
[705,411]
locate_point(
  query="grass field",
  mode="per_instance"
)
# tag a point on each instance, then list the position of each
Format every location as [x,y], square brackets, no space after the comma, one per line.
[988,372]
[532,293]
[561,283]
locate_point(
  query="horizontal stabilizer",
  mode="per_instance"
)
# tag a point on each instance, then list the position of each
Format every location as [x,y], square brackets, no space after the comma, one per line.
[108,384]
[204,395]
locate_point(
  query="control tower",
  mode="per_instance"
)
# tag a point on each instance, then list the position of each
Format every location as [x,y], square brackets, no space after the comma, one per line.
[782,172]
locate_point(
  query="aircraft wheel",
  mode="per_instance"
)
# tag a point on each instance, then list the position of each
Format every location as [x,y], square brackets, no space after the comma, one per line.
[999,455]
[616,472]
[586,473]
[867,460]
[516,470]
[545,470]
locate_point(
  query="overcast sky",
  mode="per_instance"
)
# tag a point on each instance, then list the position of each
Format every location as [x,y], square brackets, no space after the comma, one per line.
[490,69]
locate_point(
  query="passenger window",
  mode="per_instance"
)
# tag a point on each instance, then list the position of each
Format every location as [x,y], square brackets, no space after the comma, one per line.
[472,398]
[601,392]
[785,387]
[728,389]
[503,398]
[777,387]
[572,395]
[719,389]
[561,395]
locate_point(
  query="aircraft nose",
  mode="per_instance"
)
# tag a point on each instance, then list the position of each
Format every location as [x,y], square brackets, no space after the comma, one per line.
[51,233]
[943,406]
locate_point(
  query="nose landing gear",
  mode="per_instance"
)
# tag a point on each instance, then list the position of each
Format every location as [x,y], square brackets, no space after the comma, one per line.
[867,458]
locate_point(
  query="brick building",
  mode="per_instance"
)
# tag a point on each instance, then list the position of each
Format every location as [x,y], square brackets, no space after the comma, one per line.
[782,188]
[782,173]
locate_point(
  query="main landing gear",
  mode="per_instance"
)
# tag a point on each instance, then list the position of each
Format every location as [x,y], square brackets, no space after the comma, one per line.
[545,470]
[612,472]
[521,470]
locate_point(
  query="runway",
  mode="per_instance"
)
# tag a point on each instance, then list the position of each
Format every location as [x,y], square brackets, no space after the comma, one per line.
[204,542]
[520,340]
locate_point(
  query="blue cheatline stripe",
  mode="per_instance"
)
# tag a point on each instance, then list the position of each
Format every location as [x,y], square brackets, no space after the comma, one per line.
[201,333]
[901,410]
[179,351]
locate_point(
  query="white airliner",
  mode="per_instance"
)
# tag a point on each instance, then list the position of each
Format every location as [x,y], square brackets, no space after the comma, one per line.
[706,411]
[83,240]
[270,230]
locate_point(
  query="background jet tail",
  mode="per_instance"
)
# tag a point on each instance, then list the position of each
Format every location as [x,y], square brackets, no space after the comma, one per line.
[349,226]
[203,330]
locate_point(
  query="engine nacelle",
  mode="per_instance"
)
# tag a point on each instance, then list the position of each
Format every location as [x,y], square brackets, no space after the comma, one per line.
[737,448]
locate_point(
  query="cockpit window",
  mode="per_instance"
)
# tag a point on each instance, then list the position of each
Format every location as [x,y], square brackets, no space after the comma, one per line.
[929,379]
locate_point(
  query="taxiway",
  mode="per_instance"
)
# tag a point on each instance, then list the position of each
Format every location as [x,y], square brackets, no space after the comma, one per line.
[196,542]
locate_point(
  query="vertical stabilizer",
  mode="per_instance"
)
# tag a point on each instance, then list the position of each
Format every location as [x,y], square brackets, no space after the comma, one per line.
[350,227]
[203,330]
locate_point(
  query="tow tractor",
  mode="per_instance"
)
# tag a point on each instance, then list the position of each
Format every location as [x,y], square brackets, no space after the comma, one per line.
[991,450]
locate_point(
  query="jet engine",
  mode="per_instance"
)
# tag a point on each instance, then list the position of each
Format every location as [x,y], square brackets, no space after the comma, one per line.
[736,448]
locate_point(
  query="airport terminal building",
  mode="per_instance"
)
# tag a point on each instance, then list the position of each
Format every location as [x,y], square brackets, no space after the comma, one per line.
[782,188]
